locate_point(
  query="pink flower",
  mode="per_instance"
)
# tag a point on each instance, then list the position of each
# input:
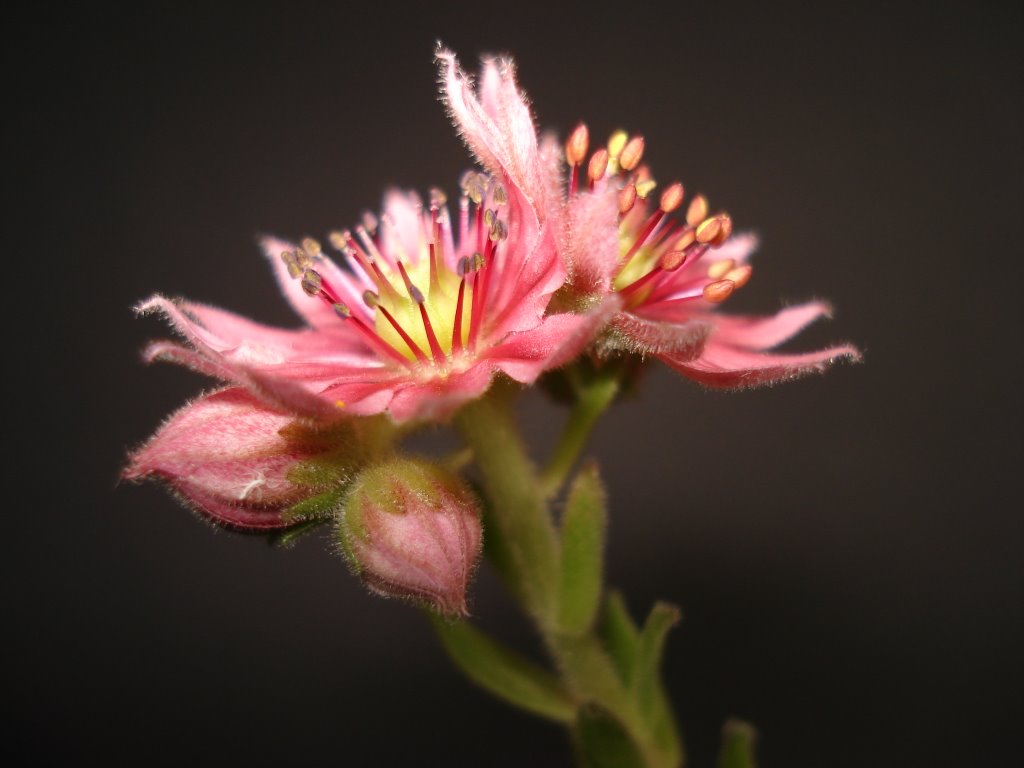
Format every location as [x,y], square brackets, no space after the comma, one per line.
[230,458]
[671,274]
[412,530]
[426,308]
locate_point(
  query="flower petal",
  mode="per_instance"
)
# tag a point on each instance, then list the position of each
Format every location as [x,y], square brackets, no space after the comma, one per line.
[761,333]
[725,366]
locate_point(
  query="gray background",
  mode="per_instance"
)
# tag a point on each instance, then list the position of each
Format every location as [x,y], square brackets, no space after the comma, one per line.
[846,549]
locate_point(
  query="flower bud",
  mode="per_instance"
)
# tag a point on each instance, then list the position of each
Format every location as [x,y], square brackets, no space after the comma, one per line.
[411,529]
[230,458]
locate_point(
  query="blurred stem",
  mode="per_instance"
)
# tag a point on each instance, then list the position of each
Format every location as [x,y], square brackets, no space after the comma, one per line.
[592,398]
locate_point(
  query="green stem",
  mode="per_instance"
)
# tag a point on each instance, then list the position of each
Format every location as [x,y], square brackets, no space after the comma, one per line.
[524,545]
[522,540]
[593,397]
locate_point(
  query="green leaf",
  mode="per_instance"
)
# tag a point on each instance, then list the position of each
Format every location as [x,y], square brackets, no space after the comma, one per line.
[621,636]
[503,672]
[583,532]
[649,650]
[738,739]
[603,741]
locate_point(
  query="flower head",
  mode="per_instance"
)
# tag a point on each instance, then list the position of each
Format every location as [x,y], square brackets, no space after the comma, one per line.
[426,305]
[671,265]
[412,530]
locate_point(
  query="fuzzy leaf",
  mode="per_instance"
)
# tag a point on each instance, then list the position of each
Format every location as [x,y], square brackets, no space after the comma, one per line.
[603,742]
[738,740]
[621,636]
[583,531]
[503,672]
[646,682]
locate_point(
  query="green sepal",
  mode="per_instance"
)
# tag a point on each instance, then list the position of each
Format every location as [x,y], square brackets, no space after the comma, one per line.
[738,740]
[602,741]
[503,672]
[321,507]
[286,538]
[583,534]
[620,635]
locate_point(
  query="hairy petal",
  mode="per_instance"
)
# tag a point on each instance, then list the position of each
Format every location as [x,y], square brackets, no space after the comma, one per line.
[728,367]
[761,333]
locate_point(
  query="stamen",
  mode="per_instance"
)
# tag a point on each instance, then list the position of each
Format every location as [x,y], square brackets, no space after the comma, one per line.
[644,187]
[725,221]
[616,142]
[698,210]
[740,275]
[311,282]
[597,167]
[413,346]
[371,336]
[500,195]
[630,156]
[708,230]
[311,247]
[719,269]
[575,150]
[371,268]
[627,199]
[292,264]
[672,197]
[719,291]
[416,295]
[457,325]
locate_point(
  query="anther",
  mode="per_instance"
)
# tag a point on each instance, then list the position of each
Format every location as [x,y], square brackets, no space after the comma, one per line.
[294,270]
[370,222]
[740,275]
[708,230]
[725,224]
[720,269]
[312,282]
[672,197]
[616,143]
[686,239]
[630,156]
[645,187]
[338,241]
[478,261]
[719,291]
[698,210]
[500,195]
[437,198]
[342,310]
[627,199]
[577,144]
[463,266]
[598,165]
[371,299]
[672,260]
[311,247]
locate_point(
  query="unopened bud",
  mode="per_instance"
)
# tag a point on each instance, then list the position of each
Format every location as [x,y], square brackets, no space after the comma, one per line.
[239,463]
[411,529]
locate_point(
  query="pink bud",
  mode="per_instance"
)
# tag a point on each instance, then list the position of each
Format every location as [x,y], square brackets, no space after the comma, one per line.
[226,456]
[412,530]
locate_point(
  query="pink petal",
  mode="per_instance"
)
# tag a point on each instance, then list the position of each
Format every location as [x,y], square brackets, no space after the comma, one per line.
[556,341]
[638,335]
[738,248]
[760,333]
[721,365]
[593,250]
[440,398]
[497,127]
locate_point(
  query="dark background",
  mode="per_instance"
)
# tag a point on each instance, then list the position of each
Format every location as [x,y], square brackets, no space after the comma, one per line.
[846,549]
